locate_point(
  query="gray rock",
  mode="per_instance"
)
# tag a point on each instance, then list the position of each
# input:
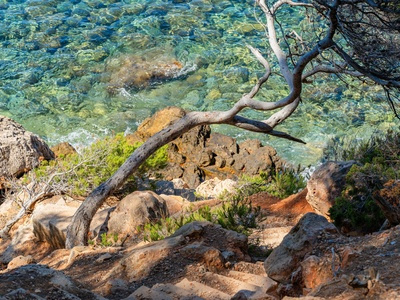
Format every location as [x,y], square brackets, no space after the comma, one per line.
[136,209]
[297,244]
[215,187]
[20,150]
[176,187]
[193,175]
[326,184]
[48,283]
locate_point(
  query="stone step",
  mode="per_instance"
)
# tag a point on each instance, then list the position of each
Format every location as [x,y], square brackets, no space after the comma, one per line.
[175,292]
[251,268]
[145,293]
[227,284]
[202,290]
[272,237]
[264,282]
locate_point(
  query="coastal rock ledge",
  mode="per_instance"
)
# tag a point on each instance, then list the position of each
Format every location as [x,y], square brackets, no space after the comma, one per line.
[20,150]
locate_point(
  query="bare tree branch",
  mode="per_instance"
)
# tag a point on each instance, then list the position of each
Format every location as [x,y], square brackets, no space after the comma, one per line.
[336,69]
[333,11]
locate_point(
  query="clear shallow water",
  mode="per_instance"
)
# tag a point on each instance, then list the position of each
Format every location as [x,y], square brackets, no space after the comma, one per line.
[57,59]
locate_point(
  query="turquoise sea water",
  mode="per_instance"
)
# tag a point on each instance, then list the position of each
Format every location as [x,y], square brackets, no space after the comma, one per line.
[58,58]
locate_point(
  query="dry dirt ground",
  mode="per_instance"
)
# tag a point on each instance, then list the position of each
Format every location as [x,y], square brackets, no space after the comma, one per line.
[360,258]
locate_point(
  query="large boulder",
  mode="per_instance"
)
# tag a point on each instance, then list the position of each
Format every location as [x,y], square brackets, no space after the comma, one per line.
[45,230]
[326,184]
[286,259]
[136,209]
[51,218]
[20,150]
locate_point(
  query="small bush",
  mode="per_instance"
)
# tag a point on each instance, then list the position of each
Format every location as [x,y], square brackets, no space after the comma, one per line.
[279,183]
[236,213]
[96,163]
[285,183]
[379,162]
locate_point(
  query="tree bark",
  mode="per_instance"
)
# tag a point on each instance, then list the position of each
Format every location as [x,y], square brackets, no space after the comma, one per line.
[77,232]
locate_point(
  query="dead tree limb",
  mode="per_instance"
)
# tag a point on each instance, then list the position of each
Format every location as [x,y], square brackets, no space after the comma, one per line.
[293,73]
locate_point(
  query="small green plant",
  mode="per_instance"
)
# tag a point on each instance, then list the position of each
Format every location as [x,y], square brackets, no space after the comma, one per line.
[96,163]
[285,183]
[279,183]
[236,213]
[105,241]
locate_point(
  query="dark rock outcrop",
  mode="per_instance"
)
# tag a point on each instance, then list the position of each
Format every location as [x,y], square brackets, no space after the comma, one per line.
[199,154]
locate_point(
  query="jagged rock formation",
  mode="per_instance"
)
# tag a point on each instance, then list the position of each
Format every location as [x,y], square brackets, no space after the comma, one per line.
[200,154]
[20,150]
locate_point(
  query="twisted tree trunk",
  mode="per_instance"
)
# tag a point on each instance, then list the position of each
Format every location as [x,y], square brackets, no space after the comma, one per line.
[77,232]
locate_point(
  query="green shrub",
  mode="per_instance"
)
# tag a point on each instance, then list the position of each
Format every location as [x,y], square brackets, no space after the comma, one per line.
[236,213]
[285,183]
[81,173]
[279,183]
[379,162]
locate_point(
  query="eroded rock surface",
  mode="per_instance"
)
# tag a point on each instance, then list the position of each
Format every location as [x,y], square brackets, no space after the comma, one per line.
[286,259]
[199,154]
[136,209]
[326,184]
[41,282]
[194,242]
[20,150]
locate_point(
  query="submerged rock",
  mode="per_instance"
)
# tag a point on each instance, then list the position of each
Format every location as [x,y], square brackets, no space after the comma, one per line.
[132,71]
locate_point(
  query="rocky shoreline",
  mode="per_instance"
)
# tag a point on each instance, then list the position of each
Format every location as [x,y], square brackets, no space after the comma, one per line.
[308,256]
